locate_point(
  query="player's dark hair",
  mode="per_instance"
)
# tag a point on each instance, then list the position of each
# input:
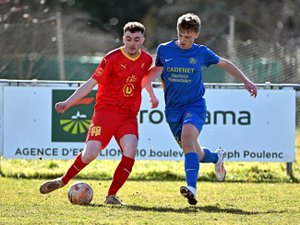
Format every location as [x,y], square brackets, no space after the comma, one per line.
[189,21]
[133,27]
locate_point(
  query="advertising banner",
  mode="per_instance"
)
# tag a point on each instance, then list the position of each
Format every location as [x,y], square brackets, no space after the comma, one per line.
[249,129]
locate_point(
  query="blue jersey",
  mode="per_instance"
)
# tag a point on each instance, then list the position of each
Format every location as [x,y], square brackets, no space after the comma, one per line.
[182,73]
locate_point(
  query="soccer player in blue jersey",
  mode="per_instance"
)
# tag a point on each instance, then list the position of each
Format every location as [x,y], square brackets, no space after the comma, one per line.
[179,63]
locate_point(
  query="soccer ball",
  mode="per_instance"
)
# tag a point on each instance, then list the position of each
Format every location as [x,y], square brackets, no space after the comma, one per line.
[80,193]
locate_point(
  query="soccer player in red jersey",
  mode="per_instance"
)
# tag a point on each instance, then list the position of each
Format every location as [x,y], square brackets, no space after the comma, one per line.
[118,99]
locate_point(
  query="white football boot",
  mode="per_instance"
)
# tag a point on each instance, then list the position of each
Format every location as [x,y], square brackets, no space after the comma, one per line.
[189,193]
[219,166]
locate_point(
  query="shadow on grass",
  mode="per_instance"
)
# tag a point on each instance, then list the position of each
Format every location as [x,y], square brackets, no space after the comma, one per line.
[191,209]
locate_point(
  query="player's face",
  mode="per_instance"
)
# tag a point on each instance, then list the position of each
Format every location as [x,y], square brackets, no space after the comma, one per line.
[133,42]
[186,38]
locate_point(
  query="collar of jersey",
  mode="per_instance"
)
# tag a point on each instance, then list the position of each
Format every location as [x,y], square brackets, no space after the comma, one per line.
[128,56]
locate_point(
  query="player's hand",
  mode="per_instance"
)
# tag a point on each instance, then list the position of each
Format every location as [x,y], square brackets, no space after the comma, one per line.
[154,102]
[60,107]
[251,88]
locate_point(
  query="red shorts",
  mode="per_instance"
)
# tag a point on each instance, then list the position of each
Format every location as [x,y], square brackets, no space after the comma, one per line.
[107,123]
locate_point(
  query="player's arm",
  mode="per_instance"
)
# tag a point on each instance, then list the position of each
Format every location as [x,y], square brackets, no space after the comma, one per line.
[153,73]
[153,99]
[237,73]
[80,92]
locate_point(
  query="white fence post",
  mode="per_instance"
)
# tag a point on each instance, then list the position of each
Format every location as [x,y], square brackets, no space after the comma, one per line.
[289,165]
[60,47]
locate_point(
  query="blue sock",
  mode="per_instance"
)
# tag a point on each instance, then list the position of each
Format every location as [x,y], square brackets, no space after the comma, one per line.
[209,156]
[191,166]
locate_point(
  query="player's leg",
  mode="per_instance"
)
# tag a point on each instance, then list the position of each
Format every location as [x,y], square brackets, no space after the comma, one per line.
[205,155]
[90,152]
[193,121]
[216,157]
[98,136]
[123,170]
[127,138]
[191,162]
[185,136]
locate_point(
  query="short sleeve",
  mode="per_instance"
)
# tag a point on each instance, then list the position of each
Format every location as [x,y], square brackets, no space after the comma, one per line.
[210,57]
[158,57]
[102,71]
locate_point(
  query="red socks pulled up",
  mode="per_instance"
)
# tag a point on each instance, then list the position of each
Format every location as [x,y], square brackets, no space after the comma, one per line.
[74,169]
[121,174]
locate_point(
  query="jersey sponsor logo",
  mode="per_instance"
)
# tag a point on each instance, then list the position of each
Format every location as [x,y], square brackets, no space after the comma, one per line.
[95,131]
[129,87]
[180,70]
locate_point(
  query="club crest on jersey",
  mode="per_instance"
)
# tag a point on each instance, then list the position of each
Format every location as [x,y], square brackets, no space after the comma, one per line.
[192,60]
[143,66]
[129,87]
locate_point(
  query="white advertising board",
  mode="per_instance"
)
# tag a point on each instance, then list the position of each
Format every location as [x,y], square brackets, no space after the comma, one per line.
[249,129]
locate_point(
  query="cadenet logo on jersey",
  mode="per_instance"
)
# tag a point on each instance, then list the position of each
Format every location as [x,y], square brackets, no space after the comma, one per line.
[72,125]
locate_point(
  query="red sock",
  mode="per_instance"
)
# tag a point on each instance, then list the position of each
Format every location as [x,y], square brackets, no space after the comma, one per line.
[121,174]
[74,169]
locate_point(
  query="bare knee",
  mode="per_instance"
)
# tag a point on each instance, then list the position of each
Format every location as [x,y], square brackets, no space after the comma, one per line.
[91,151]
[130,152]
[129,144]
[89,156]
[189,138]
[187,144]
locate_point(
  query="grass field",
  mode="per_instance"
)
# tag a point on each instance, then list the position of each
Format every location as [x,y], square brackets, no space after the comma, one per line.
[253,193]
[153,202]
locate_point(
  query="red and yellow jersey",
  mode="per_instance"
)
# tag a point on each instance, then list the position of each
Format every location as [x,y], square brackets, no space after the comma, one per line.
[119,79]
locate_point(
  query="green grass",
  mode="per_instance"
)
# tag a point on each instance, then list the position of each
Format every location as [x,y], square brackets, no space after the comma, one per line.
[253,193]
[153,202]
[154,170]
[150,170]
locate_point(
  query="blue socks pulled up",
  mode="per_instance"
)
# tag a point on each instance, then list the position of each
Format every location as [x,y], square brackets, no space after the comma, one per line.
[191,166]
[209,156]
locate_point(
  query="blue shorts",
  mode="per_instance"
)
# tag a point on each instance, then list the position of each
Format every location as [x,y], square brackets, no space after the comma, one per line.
[192,114]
